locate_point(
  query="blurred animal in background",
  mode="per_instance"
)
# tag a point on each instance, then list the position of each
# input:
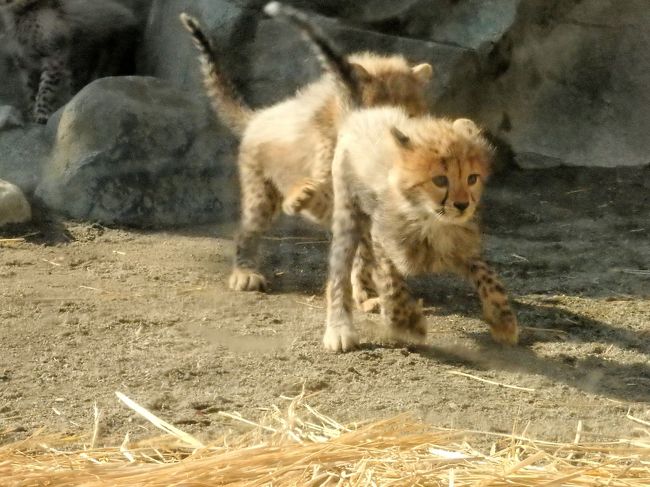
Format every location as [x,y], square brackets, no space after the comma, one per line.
[40,35]
[292,142]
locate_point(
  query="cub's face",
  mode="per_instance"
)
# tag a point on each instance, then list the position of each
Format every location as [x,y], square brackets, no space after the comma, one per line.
[444,180]
[405,88]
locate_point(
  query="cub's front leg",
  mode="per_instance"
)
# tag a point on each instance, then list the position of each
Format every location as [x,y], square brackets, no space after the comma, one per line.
[403,315]
[364,290]
[313,194]
[494,300]
[310,196]
[340,335]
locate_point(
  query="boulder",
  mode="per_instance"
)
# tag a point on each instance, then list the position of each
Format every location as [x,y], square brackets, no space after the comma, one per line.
[566,84]
[562,82]
[136,151]
[24,150]
[14,207]
[472,24]
[267,59]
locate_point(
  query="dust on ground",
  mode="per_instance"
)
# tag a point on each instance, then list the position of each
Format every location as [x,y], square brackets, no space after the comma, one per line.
[86,311]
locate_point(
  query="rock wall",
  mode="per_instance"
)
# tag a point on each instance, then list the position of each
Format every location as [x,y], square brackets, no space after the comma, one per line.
[560,81]
[135,151]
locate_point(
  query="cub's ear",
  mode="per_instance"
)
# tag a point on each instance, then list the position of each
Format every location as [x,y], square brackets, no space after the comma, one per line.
[402,140]
[360,73]
[423,72]
[467,127]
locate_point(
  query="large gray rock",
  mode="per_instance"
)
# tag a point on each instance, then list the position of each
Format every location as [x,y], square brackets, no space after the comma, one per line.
[136,151]
[14,207]
[467,23]
[567,84]
[24,150]
[267,59]
[563,81]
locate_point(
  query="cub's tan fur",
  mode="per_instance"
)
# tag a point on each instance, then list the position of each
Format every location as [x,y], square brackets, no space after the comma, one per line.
[287,145]
[413,185]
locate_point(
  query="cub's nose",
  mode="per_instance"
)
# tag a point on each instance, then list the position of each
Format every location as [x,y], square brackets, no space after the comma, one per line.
[462,206]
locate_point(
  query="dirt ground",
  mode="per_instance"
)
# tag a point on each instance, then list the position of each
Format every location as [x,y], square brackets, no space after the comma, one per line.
[86,311]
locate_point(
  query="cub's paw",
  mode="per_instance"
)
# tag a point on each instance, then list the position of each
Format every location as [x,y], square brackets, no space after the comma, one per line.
[364,296]
[340,339]
[300,196]
[246,280]
[505,330]
[41,119]
[412,326]
[370,305]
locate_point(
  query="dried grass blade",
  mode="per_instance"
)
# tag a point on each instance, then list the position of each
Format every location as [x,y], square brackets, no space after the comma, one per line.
[159,423]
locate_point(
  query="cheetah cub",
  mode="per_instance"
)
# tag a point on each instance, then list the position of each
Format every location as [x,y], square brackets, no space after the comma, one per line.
[40,36]
[414,185]
[286,146]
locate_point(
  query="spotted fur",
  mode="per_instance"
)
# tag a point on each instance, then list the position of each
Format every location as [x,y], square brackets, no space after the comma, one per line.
[414,185]
[40,35]
[287,148]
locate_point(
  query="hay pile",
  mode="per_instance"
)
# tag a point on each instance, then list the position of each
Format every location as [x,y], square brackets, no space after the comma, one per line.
[301,447]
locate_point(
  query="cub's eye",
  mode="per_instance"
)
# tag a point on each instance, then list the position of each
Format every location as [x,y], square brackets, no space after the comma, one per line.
[441,181]
[472,178]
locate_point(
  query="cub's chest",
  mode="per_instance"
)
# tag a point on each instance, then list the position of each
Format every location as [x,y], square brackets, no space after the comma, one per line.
[428,246]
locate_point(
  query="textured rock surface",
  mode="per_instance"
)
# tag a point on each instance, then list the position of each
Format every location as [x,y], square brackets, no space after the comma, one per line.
[136,151]
[562,81]
[10,117]
[568,84]
[14,207]
[267,59]
[23,153]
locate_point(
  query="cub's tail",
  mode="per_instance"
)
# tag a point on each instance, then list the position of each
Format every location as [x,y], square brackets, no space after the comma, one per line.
[226,102]
[348,75]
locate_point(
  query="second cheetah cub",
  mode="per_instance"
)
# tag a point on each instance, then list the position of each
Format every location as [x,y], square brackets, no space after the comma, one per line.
[286,149]
[414,184]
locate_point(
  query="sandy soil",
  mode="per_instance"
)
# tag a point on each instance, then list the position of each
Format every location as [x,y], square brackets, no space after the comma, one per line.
[86,311]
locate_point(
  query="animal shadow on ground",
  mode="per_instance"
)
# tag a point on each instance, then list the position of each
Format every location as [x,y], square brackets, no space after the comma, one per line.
[297,263]
[590,370]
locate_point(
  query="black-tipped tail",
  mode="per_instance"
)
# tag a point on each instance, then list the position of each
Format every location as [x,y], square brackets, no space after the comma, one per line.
[201,42]
[329,57]
[226,102]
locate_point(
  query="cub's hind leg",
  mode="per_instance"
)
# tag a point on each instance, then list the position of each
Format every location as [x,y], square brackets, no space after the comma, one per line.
[401,312]
[494,300]
[260,205]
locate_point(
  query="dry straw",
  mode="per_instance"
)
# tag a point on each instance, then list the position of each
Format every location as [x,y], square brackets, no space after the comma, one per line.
[298,446]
